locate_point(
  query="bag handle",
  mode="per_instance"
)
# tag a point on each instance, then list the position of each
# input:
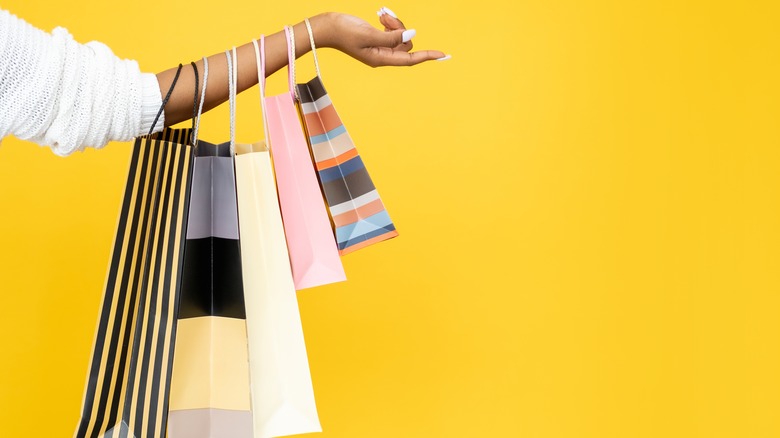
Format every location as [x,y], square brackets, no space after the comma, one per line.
[202,97]
[194,99]
[290,34]
[165,101]
[313,48]
[260,59]
[232,75]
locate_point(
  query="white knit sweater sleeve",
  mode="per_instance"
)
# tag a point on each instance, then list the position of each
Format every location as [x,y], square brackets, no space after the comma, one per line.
[69,96]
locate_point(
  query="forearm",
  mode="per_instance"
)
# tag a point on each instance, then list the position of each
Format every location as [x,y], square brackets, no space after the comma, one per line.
[179,106]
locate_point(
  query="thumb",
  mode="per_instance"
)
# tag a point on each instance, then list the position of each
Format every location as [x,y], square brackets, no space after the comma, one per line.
[391,39]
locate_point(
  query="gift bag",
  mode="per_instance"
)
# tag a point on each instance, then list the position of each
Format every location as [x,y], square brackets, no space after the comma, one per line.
[126,394]
[282,393]
[210,381]
[357,212]
[313,253]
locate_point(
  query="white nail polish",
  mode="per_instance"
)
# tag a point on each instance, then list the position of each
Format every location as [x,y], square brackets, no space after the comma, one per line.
[444,58]
[408,35]
[380,12]
[389,12]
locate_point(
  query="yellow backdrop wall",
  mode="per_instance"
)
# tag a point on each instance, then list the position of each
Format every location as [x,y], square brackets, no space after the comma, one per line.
[587,196]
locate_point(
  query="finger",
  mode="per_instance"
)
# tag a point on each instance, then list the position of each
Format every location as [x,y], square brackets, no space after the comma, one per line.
[400,38]
[389,20]
[382,56]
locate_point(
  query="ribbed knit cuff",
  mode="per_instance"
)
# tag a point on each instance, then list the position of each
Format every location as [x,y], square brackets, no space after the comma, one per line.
[151,100]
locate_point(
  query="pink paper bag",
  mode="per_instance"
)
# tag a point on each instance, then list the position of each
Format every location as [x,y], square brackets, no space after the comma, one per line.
[313,252]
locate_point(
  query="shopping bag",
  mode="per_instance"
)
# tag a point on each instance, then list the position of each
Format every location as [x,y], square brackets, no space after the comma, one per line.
[358,214]
[126,394]
[210,381]
[313,253]
[282,393]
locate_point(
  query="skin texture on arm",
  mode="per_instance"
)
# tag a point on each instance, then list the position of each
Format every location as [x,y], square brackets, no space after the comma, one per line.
[343,32]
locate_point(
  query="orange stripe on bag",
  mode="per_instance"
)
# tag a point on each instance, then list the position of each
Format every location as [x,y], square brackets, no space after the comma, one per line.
[353,216]
[322,121]
[333,162]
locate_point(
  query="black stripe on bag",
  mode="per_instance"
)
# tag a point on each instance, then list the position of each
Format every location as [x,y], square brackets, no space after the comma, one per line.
[312,90]
[212,284]
[348,187]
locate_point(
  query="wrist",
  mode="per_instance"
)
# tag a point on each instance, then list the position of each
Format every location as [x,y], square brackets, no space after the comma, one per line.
[322,26]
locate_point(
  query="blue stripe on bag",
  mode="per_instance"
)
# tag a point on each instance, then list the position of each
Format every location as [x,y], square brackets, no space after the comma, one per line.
[330,135]
[363,238]
[363,226]
[342,170]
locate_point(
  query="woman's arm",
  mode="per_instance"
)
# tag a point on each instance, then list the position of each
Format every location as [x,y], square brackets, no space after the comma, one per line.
[346,33]
[59,93]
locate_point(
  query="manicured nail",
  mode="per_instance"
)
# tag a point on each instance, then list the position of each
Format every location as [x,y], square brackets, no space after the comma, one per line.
[444,58]
[408,35]
[389,12]
[380,12]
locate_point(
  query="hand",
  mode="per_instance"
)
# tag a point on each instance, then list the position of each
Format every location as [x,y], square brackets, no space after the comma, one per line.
[369,45]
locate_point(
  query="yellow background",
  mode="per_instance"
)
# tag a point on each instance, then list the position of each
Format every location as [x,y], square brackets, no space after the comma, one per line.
[588,198]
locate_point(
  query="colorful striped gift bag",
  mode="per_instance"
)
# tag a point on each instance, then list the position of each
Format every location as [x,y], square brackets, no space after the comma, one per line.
[313,253]
[210,381]
[358,214]
[126,394]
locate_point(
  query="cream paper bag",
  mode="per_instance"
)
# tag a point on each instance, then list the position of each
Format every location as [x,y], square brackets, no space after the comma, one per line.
[282,394]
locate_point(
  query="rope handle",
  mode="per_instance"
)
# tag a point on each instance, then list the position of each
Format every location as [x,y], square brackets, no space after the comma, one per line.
[313,48]
[261,72]
[202,97]
[235,104]
[290,34]
[194,99]
[165,101]
[260,59]
[232,96]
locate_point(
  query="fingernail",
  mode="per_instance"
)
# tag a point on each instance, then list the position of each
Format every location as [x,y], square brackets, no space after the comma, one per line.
[444,58]
[408,35]
[380,12]
[389,12]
